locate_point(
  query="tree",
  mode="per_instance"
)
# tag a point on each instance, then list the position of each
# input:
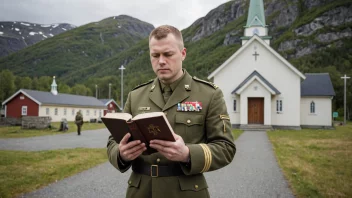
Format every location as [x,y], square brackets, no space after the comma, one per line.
[7,84]
[80,89]
[44,83]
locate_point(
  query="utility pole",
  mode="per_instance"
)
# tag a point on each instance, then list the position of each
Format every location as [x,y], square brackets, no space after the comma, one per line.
[122,68]
[96,91]
[109,90]
[344,109]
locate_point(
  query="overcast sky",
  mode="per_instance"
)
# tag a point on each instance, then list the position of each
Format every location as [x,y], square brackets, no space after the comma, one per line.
[179,13]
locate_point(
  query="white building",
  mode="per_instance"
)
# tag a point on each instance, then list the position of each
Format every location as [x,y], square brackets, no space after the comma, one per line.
[261,87]
[53,104]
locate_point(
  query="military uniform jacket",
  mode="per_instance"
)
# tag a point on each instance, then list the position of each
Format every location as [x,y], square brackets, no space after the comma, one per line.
[207,133]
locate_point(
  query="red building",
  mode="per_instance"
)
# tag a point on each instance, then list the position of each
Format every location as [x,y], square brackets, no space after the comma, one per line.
[111,105]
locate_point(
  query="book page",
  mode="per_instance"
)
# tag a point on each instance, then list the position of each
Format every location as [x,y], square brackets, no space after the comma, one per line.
[148,115]
[121,116]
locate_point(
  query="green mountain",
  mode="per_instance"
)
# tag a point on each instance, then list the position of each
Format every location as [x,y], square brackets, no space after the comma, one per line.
[77,48]
[314,35]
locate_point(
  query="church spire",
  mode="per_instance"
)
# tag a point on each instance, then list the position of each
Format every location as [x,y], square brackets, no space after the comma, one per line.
[256,22]
[54,87]
[256,15]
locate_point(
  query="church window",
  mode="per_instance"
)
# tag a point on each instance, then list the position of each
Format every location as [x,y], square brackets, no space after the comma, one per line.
[256,31]
[278,105]
[312,107]
[47,111]
[234,105]
[24,110]
[65,111]
[56,111]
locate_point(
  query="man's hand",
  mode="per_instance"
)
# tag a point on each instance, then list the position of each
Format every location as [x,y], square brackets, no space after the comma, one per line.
[174,151]
[130,150]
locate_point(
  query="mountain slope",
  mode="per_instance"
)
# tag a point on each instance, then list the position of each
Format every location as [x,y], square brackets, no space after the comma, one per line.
[77,48]
[17,35]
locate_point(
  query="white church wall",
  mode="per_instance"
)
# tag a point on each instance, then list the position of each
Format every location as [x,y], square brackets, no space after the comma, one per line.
[235,115]
[70,116]
[273,70]
[323,111]
[256,90]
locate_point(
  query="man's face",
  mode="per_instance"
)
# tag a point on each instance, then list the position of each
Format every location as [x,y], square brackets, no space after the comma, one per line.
[166,58]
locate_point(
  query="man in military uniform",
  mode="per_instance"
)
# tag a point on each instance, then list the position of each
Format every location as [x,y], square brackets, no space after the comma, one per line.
[202,132]
[79,121]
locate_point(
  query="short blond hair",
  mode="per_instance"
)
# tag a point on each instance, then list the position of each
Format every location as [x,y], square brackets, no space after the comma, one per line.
[164,30]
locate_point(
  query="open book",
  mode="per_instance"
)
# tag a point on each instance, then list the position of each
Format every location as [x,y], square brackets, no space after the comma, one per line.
[143,127]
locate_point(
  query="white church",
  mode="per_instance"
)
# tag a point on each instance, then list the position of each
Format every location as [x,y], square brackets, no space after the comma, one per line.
[262,88]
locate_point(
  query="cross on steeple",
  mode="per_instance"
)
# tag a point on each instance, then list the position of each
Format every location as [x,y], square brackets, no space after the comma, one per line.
[255,54]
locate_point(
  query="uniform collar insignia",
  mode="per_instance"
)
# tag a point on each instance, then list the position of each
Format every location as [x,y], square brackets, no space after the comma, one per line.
[152,89]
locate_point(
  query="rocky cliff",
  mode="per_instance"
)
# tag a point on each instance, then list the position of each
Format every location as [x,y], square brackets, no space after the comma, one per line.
[16,35]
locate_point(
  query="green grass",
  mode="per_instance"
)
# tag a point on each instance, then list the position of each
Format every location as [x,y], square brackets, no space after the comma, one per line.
[236,133]
[316,163]
[17,132]
[27,171]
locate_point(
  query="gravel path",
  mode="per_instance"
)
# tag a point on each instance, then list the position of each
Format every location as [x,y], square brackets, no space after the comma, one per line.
[253,173]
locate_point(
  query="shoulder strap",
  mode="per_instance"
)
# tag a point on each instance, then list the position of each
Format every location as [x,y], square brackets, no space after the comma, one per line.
[143,84]
[205,82]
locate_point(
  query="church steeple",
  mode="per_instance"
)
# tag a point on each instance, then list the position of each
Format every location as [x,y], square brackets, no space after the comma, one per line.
[256,15]
[256,22]
[54,87]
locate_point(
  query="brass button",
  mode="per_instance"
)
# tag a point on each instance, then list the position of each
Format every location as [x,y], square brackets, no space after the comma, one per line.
[158,160]
[196,186]
[188,121]
[129,182]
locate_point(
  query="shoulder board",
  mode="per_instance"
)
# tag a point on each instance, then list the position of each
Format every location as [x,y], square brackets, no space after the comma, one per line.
[143,84]
[205,82]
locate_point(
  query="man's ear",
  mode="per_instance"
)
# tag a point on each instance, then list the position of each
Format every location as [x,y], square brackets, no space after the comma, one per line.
[184,52]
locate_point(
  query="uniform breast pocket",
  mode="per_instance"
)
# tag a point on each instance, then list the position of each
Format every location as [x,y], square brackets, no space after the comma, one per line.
[190,127]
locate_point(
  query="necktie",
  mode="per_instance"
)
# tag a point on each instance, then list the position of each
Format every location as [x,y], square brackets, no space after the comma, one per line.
[167,93]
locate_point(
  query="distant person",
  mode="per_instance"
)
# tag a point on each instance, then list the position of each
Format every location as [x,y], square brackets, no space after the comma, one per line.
[196,111]
[79,122]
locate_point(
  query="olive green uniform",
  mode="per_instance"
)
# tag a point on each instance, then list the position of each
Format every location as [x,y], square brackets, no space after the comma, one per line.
[207,133]
[79,122]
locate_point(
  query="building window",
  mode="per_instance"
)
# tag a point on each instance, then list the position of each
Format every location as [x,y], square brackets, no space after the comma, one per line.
[110,105]
[56,111]
[65,111]
[73,111]
[87,113]
[234,105]
[21,97]
[95,112]
[279,106]
[47,111]
[99,113]
[312,107]
[24,110]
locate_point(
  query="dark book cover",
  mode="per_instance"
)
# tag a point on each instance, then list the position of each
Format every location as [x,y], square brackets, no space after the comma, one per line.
[143,127]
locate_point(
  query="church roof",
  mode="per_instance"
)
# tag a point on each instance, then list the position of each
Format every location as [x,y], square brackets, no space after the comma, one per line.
[107,101]
[239,51]
[47,98]
[317,84]
[256,15]
[253,74]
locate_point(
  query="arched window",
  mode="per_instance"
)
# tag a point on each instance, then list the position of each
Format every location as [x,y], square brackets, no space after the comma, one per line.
[312,107]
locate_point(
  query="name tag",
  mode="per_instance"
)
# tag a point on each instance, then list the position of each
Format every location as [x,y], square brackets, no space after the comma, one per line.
[144,108]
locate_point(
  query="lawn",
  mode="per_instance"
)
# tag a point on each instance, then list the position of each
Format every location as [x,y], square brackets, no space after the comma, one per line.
[17,132]
[23,171]
[316,163]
